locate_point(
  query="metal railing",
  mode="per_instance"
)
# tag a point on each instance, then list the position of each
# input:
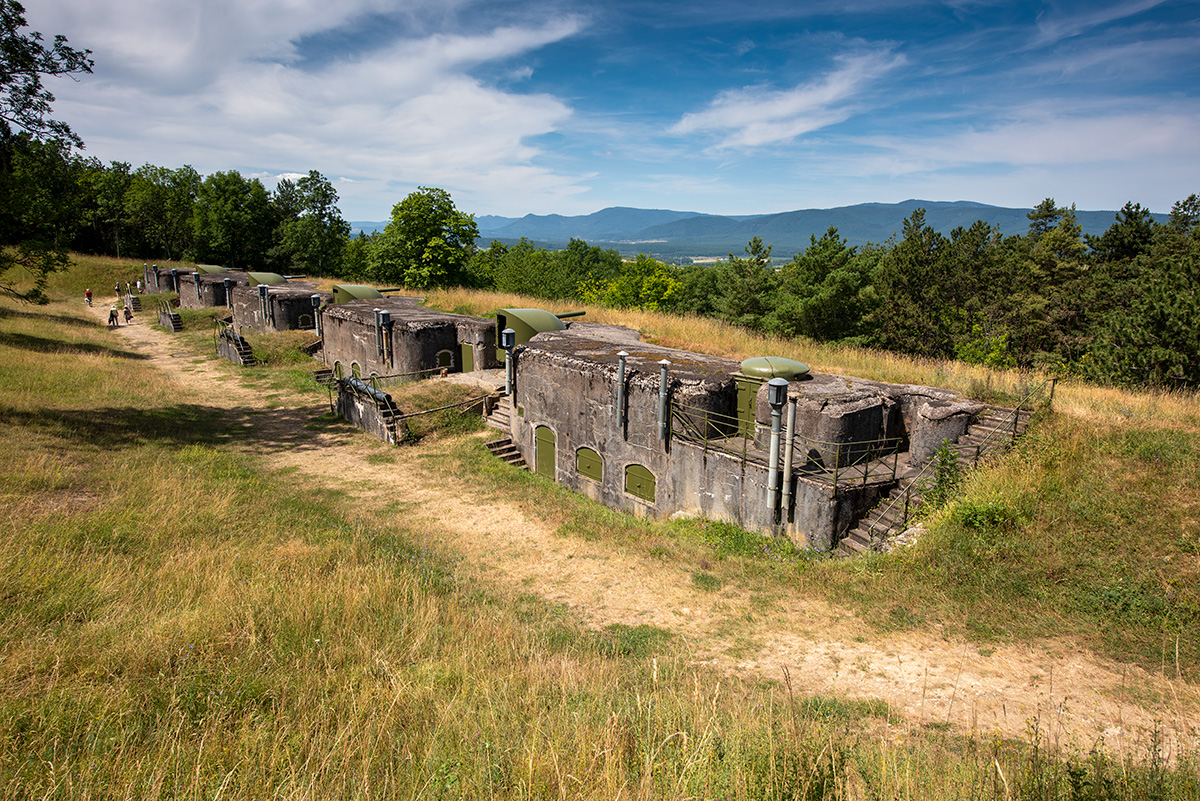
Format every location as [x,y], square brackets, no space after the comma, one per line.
[838,462]
[1007,428]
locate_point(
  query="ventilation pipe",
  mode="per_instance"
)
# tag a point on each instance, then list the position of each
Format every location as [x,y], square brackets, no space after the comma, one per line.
[262,302]
[316,306]
[662,400]
[777,390]
[228,292]
[196,278]
[385,331]
[174,280]
[508,341]
[378,335]
[788,440]
[621,357]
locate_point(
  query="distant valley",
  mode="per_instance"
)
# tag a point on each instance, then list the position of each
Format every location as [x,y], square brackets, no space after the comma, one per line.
[673,234]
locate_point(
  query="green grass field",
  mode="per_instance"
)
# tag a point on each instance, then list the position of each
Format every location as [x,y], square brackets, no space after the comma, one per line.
[178,621]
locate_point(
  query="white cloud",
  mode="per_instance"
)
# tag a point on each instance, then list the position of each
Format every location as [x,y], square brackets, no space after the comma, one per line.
[757,115]
[219,84]
[1054,27]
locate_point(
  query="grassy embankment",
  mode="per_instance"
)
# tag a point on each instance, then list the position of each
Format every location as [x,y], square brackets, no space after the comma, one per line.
[1090,531]
[178,622]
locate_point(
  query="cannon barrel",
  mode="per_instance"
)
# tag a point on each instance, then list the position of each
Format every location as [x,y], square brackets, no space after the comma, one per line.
[364,387]
[565,315]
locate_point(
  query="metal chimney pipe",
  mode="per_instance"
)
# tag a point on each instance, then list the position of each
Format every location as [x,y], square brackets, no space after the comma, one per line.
[385,327]
[316,304]
[508,340]
[662,400]
[776,394]
[788,444]
[378,338]
[621,357]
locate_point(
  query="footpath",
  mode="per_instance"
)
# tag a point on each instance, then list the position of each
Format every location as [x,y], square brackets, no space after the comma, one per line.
[1075,699]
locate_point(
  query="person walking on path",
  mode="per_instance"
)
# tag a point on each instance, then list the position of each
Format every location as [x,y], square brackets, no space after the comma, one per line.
[87,295]
[113,320]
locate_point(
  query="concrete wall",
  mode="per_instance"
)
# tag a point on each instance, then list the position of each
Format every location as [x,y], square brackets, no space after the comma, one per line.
[414,343]
[211,290]
[364,412]
[690,479]
[568,384]
[289,308]
[232,349]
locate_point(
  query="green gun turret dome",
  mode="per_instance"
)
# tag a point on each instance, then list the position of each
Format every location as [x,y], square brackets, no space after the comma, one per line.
[265,278]
[343,293]
[766,367]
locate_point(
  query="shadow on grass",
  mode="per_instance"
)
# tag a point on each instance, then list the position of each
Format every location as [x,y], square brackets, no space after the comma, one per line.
[271,430]
[47,345]
[56,319]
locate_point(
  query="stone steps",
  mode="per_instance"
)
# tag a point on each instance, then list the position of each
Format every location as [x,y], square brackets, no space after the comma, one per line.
[992,432]
[504,450]
[501,416]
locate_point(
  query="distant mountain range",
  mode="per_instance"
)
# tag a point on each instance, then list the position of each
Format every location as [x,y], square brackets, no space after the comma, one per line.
[669,234]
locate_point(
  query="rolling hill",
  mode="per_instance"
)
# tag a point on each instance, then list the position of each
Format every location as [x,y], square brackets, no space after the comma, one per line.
[668,233]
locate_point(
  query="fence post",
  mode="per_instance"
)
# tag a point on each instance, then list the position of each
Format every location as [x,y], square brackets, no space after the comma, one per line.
[837,464]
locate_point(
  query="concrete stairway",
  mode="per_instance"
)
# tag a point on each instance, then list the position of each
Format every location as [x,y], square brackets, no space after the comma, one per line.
[501,416]
[994,430]
[245,354]
[169,319]
[324,377]
[504,450]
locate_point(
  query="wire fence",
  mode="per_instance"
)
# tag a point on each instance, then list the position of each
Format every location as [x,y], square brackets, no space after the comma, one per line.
[861,461]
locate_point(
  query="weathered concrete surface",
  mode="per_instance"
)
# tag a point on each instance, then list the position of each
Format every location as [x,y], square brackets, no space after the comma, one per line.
[289,307]
[205,290]
[833,411]
[233,348]
[158,279]
[418,340]
[366,413]
[937,422]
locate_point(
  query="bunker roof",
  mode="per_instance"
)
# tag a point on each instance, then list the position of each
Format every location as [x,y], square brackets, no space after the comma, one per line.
[406,312]
[585,351]
[235,277]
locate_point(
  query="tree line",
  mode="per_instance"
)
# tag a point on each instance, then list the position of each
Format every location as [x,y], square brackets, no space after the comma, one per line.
[1121,307]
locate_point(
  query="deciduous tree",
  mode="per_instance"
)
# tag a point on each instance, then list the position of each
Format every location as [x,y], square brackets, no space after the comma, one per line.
[427,243]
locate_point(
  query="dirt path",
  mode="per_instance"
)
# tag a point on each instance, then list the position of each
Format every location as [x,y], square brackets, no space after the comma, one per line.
[1075,698]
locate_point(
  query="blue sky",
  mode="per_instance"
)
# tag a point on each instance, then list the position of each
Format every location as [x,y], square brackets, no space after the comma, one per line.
[719,107]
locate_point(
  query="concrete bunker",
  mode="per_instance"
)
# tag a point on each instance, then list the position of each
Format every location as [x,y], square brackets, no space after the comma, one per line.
[205,288]
[659,431]
[397,337]
[286,305]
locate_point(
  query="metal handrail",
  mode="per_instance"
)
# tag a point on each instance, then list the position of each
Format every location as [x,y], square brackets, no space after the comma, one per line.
[871,450]
[921,475]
